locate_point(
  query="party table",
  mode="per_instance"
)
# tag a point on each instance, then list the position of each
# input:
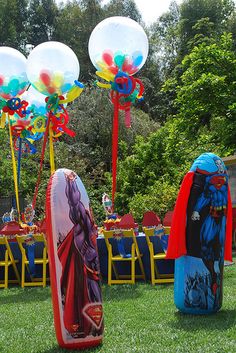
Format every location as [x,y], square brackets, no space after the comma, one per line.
[164,266]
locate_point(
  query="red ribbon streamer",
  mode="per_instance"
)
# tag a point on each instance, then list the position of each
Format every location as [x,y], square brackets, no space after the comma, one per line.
[60,122]
[115,145]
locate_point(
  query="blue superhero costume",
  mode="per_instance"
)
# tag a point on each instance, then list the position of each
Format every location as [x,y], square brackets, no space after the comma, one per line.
[212,227]
[201,229]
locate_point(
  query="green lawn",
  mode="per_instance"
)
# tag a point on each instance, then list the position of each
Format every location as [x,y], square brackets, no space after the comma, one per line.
[138,318]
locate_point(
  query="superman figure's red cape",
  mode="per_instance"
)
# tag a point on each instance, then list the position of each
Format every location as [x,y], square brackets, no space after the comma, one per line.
[73,287]
[177,238]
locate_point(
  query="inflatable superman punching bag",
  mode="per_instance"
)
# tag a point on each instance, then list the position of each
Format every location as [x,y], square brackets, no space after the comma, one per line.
[73,260]
[201,236]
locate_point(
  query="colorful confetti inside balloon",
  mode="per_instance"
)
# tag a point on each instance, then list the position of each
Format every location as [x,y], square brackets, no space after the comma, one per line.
[13,78]
[52,67]
[118,44]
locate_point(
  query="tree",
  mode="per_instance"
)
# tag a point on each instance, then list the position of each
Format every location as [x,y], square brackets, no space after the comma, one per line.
[203,32]
[41,21]
[199,21]
[92,116]
[164,39]
[163,49]
[206,95]
[73,26]
[218,13]
[126,8]
[13,23]
[149,177]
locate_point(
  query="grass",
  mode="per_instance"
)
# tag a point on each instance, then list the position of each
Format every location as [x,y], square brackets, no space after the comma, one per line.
[138,318]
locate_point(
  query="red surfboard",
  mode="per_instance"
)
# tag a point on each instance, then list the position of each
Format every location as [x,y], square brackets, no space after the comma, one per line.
[73,260]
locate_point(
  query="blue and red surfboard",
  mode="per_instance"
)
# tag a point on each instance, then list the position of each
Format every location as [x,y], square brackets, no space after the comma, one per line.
[73,260]
[201,236]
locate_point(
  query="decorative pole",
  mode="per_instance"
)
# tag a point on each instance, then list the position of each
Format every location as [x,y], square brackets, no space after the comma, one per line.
[118,48]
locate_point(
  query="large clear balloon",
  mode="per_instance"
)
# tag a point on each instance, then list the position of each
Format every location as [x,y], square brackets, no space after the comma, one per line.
[118,44]
[13,78]
[36,101]
[52,67]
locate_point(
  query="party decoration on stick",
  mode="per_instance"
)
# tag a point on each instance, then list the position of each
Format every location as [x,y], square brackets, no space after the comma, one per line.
[118,48]
[39,112]
[13,82]
[53,70]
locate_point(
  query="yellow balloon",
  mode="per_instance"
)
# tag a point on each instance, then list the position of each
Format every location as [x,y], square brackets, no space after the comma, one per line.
[57,80]
[30,140]
[102,66]
[72,94]
[3,121]
[105,75]
[39,86]
[103,85]
[54,135]
[39,124]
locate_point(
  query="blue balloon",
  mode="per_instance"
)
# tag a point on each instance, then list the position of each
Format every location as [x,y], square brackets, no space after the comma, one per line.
[137,59]
[66,87]
[208,162]
[124,88]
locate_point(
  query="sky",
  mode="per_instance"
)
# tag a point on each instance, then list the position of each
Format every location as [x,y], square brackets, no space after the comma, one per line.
[152,9]
[149,9]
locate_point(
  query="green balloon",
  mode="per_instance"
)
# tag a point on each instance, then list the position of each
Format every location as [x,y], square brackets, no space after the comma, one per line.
[23,84]
[119,59]
[14,85]
[5,89]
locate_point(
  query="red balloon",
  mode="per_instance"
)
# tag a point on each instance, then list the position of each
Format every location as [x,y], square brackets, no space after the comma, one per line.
[45,78]
[6,96]
[51,90]
[127,66]
[107,58]
[113,69]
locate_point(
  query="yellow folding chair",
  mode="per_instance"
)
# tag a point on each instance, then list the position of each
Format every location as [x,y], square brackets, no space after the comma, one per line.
[7,260]
[156,276]
[113,259]
[38,261]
